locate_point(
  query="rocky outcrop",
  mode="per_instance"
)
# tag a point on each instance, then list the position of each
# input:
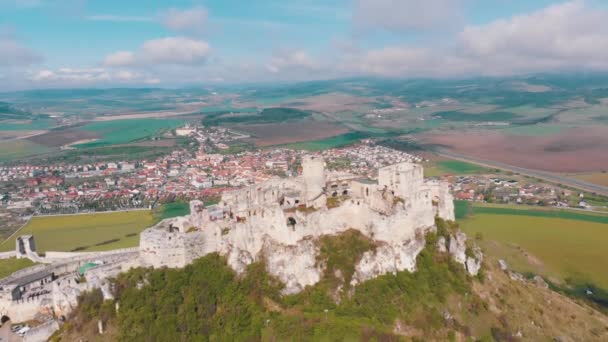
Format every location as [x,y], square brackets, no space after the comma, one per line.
[458,247]
[458,250]
[296,266]
[388,259]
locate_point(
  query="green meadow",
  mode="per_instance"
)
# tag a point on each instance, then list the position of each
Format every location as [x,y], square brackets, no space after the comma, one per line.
[452,167]
[561,245]
[125,131]
[8,266]
[333,142]
[87,232]
[15,149]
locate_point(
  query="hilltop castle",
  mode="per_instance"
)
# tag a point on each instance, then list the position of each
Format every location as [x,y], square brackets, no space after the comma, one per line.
[279,220]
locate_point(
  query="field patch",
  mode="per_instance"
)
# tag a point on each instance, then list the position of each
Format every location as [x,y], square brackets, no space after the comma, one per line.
[452,167]
[291,132]
[563,244]
[481,117]
[571,150]
[15,149]
[333,142]
[600,178]
[268,115]
[60,137]
[8,266]
[125,131]
[87,232]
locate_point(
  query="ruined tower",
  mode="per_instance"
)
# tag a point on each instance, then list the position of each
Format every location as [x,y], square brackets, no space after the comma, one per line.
[313,171]
[404,179]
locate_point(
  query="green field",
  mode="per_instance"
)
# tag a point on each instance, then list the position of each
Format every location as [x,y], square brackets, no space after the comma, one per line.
[452,167]
[125,131]
[562,245]
[15,149]
[8,266]
[333,142]
[88,232]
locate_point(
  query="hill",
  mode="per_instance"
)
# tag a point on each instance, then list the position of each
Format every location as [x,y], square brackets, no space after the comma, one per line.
[208,301]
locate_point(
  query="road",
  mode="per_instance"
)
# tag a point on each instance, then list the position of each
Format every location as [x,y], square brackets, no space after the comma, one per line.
[544,175]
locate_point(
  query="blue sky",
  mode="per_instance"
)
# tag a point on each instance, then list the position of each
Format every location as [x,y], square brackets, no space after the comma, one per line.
[65,43]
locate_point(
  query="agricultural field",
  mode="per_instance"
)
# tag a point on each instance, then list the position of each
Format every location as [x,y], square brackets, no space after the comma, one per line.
[573,150]
[452,167]
[87,232]
[291,132]
[333,142]
[15,149]
[563,246]
[8,266]
[125,131]
[600,178]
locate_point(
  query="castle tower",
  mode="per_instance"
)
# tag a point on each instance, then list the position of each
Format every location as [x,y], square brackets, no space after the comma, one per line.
[404,179]
[24,246]
[313,171]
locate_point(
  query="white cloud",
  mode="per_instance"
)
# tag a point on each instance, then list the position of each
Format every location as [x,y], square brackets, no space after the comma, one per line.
[191,20]
[117,18]
[170,50]
[566,35]
[87,76]
[13,53]
[120,58]
[290,60]
[175,50]
[406,15]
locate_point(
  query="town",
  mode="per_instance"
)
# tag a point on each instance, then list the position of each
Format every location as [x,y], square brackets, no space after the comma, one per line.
[63,188]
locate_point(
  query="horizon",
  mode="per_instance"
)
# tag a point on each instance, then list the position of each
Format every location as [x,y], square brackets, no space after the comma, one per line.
[94,44]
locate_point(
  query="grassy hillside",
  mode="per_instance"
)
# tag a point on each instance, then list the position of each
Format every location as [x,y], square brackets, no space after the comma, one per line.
[438,302]
[567,247]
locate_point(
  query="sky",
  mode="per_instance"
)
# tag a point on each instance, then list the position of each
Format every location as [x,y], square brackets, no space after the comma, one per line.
[111,43]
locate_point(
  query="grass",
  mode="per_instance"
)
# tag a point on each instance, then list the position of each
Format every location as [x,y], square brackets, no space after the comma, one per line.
[88,232]
[15,149]
[125,131]
[8,266]
[452,167]
[561,244]
[333,142]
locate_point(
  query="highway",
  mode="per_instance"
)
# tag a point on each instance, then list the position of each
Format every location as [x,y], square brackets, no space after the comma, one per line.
[544,175]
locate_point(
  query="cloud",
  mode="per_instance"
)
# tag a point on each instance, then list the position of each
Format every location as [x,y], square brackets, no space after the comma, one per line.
[290,60]
[120,58]
[170,50]
[193,20]
[566,35]
[175,50]
[13,53]
[88,76]
[406,15]
[118,18]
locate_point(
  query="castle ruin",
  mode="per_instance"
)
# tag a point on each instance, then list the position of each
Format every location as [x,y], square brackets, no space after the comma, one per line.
[280,219]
